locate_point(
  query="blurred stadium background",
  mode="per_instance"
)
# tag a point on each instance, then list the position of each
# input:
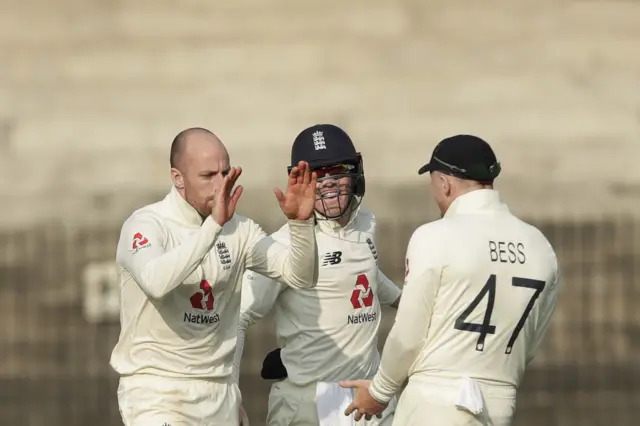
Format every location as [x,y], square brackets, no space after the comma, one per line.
[93,91]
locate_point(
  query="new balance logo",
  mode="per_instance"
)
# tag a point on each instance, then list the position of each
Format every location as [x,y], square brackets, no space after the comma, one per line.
[332,258]
[318,140]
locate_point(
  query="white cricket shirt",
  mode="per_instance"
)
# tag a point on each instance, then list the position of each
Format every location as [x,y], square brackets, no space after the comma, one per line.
[329,332]
[480,289]
[180,283]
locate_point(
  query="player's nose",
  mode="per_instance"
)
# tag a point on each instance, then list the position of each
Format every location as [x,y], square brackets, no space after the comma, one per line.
[327,182]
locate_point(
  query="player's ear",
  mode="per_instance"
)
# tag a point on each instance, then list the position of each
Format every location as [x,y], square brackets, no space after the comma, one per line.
[177,178]
[446,185]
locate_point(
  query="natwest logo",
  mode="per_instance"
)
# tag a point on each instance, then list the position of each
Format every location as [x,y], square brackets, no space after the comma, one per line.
[203,299]
[362,318]
[139,242]
[362,295]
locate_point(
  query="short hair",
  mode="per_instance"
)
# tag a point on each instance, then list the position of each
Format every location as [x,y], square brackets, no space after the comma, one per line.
[177,146]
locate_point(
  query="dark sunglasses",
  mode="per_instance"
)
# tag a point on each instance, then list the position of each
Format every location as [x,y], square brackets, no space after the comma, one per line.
[333,170]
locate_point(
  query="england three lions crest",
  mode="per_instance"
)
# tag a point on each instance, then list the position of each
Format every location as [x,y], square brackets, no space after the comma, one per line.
[224,256]
[372,247]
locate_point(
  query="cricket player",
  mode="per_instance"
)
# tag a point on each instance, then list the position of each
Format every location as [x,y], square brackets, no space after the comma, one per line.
[330,332]
[480,290]
[181,262]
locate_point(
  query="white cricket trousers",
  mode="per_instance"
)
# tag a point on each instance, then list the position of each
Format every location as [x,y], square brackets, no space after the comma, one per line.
[292,405]
[431,402]
[146,400]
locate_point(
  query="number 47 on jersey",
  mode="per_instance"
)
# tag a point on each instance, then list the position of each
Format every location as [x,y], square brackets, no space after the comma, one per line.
[489,291]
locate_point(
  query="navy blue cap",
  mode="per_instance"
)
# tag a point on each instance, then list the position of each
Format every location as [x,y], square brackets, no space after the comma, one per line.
[322,145]
[464,156]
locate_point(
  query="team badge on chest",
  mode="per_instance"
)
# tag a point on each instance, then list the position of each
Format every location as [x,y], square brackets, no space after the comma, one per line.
[372,247]
[224,256]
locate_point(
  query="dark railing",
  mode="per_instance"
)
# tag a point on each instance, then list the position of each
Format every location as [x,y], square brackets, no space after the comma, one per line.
[59,307]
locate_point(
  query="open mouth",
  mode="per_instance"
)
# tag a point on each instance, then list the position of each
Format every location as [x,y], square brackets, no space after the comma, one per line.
[329,194]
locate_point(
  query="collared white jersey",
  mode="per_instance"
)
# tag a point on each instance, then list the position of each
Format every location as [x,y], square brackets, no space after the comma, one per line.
[329,332]
[480,289]
[180,281]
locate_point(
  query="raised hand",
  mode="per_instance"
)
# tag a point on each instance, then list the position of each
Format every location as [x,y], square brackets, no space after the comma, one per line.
[222,204]
[299,201]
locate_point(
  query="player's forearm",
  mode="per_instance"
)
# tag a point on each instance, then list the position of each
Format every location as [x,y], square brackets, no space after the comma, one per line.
[247,318]
[237,356]
[389,293]
[164,273]
[547,311]
[300,266]
[295,266]
[409,332]
[397,358]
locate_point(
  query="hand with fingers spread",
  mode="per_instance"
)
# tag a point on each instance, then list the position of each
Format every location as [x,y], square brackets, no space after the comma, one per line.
[363,402]
[222,204]
[299,200]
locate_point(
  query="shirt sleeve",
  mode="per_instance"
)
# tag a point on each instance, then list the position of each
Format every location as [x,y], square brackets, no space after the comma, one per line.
[409,332]
[388,291]
[547,309]
[259,295]
[295,264]
[141,251]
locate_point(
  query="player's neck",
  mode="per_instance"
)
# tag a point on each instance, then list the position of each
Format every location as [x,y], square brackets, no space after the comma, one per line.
[344,220]
[471,187]
[464,191]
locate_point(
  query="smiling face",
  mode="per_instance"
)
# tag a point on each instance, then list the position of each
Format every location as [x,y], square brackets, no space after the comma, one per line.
[335,190]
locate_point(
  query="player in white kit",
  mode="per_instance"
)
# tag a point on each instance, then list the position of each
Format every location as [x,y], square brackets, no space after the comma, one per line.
[479,293]
[328,333]
[181,262]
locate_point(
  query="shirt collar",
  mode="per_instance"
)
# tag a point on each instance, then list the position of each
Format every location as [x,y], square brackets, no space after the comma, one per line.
[479,200]
[181,210]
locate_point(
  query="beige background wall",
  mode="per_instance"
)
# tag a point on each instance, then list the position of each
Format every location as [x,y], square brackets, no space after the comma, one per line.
[92,92]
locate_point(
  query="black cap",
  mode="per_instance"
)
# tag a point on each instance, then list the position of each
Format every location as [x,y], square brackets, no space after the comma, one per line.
[323,145]
[464,156]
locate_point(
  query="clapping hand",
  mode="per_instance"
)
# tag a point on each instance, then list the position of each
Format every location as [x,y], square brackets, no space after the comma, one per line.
[299,201]
[222,204]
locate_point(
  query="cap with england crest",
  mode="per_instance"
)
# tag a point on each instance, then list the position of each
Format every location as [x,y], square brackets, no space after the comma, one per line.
[323,144]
